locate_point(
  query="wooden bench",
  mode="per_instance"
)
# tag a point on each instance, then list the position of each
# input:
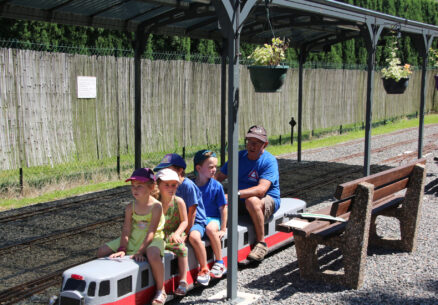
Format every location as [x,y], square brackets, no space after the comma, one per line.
[396,192]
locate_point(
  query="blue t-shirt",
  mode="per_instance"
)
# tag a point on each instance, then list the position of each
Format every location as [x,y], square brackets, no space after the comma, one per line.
[191,195]
[251,171]
[213,196]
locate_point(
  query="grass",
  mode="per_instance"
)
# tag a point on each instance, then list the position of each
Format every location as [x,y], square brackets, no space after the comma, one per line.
[44,183]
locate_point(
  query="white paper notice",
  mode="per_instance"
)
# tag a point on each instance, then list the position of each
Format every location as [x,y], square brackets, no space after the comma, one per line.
[87,87]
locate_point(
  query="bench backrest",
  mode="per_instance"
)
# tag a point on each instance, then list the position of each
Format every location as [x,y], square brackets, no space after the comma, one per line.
[385,184]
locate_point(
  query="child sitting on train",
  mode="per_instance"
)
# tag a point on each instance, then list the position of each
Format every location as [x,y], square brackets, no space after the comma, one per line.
[215,203]
[174,210]
[142,233]
[197,220]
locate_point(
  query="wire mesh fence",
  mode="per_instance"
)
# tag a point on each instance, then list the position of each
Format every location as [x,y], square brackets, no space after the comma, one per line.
[99,167]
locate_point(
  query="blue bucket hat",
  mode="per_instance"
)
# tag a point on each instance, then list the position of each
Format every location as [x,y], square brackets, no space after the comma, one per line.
[169,160]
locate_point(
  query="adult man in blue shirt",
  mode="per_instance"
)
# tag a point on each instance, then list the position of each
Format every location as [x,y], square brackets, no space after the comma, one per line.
[259,188]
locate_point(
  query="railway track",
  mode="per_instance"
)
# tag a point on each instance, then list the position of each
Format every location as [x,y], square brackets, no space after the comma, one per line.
[61,234]
[59,206]
[22,291]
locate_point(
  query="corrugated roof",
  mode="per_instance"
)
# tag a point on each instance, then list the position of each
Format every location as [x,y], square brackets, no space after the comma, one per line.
[313,22]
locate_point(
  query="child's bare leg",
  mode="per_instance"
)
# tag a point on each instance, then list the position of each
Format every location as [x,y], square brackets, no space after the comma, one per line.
[104,251]
[211,230]
[182,268]
[198,247]
[154,259]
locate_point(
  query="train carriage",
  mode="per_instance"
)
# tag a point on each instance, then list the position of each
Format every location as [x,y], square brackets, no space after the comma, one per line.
[125,281]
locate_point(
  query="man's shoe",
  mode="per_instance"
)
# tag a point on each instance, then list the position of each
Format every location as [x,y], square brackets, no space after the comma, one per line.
[218,270]
[258,252]
[203,277]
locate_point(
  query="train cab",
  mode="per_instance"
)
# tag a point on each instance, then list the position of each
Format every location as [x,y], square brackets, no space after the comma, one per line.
[106,281]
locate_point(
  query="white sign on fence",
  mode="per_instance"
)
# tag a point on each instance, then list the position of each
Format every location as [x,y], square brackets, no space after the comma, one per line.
[87,87]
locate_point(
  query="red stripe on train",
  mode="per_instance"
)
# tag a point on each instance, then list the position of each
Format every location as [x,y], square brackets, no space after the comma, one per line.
[147,294]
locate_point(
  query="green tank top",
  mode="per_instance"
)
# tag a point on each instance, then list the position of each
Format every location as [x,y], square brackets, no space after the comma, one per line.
[139,229]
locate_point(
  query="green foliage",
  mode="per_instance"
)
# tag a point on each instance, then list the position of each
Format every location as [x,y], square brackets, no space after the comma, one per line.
[270,54]
[394,69]
[433,55]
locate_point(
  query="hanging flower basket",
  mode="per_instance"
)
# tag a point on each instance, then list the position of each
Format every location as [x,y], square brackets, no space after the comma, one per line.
[436,82]
[267,74]
[395,87]
[267,78]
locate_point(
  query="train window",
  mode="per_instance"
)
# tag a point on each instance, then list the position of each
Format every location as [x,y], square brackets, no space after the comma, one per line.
[104,288]
[124,286]
[266,229]
[91,289]
[245,238]
[74,284]
[145,278]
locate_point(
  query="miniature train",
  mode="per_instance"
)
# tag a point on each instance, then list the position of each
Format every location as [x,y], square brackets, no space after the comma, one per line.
[125,281]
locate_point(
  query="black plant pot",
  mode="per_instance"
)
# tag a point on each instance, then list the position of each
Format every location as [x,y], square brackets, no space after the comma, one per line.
[267,78]
[395,87]
[436,82]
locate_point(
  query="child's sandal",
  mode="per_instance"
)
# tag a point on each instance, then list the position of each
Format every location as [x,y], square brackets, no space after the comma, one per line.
[160,298]
[182,288]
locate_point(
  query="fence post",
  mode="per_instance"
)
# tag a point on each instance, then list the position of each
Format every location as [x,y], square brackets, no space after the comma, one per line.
[21,180]
[292,123]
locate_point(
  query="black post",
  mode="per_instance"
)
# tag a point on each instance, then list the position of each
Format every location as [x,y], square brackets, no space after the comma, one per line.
[118,166]
[371,38]
[140,42]
[427,43]
[21,180]
[184,152]
[223,97]
[292,124]
[302,59]
[233,149]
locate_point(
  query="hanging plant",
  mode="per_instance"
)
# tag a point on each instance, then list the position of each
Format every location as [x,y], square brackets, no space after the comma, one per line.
[434,59]
[267,74]
[395,76]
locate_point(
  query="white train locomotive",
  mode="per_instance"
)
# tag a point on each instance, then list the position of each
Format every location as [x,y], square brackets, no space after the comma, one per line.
[125,281]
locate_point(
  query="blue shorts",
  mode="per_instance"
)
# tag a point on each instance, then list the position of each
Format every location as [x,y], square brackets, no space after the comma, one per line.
[214,220]
[198,227]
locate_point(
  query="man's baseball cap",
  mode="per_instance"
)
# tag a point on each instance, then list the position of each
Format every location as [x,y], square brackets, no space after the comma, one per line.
[142,174]
[169,160]
[257,132]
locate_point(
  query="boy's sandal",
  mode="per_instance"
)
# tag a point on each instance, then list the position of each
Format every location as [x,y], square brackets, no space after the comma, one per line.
[160,298]
[182,288]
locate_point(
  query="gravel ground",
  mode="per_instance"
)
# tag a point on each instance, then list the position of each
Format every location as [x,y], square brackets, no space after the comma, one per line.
[390,277]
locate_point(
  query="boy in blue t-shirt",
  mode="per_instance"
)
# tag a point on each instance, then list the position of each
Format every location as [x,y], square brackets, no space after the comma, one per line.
[197,220]
[215,203]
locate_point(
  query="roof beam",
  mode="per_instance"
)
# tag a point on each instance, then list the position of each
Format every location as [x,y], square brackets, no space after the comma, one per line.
[201,24]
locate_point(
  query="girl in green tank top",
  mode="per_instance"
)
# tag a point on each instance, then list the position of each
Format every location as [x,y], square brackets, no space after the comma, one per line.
[142,233]
[175,214]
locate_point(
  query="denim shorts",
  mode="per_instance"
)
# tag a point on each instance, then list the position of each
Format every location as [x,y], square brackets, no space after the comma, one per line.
[198,227]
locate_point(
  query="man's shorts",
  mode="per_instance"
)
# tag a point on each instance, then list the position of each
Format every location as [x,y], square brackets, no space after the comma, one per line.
[269,207]
[198,227]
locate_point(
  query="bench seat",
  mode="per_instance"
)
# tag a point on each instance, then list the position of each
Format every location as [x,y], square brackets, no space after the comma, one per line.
[397,193]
